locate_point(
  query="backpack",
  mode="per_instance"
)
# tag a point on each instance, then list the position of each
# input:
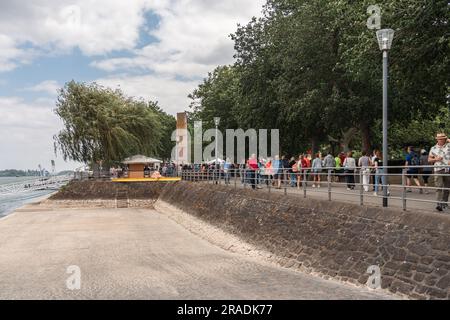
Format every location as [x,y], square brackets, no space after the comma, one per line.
[295,167]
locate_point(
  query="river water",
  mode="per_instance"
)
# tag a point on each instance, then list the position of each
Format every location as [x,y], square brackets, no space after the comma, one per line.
[10,202]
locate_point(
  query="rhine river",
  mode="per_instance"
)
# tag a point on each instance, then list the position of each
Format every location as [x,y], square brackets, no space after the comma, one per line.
[10,202]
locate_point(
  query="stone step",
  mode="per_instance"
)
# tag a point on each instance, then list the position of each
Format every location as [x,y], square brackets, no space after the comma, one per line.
[121,204]
[122,199]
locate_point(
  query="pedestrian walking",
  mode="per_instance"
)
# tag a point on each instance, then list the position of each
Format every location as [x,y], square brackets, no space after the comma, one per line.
[277,169]
[338,170]
[440,157]
[252,165]
[377,163]
[329,164]
[364,164]
[226,170]
[317,166]
[412,174]
[349,170]
[426,170]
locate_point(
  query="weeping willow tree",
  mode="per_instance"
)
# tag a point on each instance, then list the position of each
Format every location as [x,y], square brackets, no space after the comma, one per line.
[104,125]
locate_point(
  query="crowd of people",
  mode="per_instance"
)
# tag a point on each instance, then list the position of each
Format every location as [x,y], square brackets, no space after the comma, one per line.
[342,168]
[298,171]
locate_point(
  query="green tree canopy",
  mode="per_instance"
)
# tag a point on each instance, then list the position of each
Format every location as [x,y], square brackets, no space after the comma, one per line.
[101,124]
[312,69]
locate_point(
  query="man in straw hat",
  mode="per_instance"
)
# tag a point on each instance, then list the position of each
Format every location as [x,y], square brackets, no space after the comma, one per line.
[440,157]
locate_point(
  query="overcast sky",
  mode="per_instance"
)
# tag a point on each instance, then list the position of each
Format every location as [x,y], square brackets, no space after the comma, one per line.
[155,49]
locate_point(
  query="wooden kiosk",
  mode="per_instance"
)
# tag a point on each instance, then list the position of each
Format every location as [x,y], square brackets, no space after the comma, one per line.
[136,166]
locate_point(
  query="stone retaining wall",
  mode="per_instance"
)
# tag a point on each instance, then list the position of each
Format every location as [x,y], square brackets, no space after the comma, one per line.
[107,190]
[99,203]
[333,239]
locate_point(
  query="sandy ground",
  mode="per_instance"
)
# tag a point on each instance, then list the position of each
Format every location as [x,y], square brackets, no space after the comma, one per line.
[138,254]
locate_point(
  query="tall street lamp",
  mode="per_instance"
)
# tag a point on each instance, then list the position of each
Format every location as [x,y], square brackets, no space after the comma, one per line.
[217,122]
[385,38]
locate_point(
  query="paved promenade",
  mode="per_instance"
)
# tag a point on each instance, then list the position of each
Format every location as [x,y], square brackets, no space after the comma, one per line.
[138,254]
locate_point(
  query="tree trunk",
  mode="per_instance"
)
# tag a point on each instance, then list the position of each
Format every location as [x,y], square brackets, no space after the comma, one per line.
[365,134]
[313,146]
[346,138]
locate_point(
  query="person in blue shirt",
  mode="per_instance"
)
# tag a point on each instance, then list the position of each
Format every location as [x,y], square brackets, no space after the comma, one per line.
[277,171]
[412,161]
[226,170]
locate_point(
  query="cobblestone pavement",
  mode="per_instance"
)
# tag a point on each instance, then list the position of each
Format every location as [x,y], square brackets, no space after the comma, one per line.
[138,254]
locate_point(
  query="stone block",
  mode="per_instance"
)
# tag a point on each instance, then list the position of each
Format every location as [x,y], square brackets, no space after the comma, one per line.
[402,287]
[418,249]
[430,281]
[437,293]
[444,283]
[419,277]
[412,258]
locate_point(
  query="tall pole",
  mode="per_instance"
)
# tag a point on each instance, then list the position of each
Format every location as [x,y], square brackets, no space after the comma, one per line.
[385,128]
[176,156]
[217,143]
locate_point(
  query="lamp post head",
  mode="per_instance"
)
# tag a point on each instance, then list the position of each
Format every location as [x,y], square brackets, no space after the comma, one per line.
[217,121]
[385,38]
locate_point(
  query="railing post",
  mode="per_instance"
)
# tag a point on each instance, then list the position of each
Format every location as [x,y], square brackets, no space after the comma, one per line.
[329,185]
[404,189]
[304,183]
[361,191]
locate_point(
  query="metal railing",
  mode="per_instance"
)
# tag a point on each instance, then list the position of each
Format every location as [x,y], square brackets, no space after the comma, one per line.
[36,184]
[361,184]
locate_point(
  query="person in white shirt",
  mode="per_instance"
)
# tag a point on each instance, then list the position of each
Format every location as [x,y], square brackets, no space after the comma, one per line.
[365,163]
[440,157]
[317,170]
[349,167]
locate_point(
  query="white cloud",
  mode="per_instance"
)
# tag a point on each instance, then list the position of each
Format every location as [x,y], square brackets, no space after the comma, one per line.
[48,86]
[170,93]
[27,131]
[11,55]
[193,38]
[57,26]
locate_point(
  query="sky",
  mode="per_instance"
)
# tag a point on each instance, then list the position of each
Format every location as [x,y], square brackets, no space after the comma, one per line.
[159,50]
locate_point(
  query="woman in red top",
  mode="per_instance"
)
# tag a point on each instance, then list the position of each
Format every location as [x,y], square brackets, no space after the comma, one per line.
[252,164]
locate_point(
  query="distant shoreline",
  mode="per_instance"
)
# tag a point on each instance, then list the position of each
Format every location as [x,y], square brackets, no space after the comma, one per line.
[13,176]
